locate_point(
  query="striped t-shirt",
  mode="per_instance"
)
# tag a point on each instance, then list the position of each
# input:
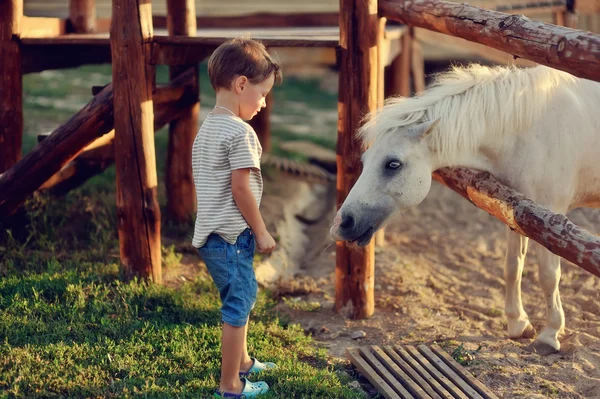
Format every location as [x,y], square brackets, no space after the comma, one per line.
[224,143]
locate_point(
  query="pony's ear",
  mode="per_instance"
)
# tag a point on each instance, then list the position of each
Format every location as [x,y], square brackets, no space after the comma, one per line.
[418,132]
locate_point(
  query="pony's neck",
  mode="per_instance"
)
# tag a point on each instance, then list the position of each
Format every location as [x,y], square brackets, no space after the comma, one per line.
[486,158]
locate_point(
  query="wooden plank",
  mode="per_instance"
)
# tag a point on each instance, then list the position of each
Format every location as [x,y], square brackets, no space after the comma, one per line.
[82,15]
[133,81]
[365,368]
[441,378]
[448,372]
[262,124]
[11,84]
[474,382]
[179,179]
[259,20]
[412,372]
[37,58]
[570,50]
[43,27]
[381,370]
[358,58]
[433,383]
[411,385]
[554,231]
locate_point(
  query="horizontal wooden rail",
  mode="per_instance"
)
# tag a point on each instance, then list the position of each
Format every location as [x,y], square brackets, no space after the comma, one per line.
[570,50]
[554,231]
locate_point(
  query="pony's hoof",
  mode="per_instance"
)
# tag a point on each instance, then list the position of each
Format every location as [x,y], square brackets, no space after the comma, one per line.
[520,329]
[541,348]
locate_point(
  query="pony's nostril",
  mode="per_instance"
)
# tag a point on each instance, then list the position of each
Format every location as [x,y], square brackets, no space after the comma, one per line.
[347,222]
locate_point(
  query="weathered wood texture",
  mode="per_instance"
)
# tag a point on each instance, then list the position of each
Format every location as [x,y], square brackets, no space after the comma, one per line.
[138,213]
[42,27]
[100,154]
[181,194]
[416,372]
[11,84]
[94,120]
[397,74]
[82,15]
[259,20]
[570,50]
[88,128]
[262,124]
[554,231]
[358,92]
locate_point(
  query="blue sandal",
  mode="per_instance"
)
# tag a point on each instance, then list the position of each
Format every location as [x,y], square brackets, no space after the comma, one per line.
[257,367]
[251,390]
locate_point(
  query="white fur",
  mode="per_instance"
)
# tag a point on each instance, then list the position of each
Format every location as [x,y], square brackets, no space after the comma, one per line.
[537,130]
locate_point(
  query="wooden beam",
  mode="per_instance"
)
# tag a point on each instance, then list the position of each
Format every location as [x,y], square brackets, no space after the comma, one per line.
[43,27]
[133,81]
[86,129]
[260,20]
[82,15]
[397,74]
[65,142]
[554,231]
[358,89]
[42,57]
[262,124]
[11,84]
[570,50]
[179,179]
[100,154]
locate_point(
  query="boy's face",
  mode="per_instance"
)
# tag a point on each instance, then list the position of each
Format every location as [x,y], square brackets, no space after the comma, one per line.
[252,97]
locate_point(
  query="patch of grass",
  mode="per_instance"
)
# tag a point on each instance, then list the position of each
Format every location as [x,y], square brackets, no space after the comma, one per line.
[299,304]
[464,356]
[72,327]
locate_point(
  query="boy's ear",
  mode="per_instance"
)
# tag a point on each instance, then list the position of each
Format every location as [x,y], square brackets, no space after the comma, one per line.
[239,83]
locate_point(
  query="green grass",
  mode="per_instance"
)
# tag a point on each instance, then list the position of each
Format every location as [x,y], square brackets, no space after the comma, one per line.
[70,326]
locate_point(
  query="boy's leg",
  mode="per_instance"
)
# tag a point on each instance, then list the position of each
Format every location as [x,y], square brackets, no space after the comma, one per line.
[245,362]
[233,344]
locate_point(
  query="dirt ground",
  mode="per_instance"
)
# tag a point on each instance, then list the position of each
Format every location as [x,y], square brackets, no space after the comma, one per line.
[439,278]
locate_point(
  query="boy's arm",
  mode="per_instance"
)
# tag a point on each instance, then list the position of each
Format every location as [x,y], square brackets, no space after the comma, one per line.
[246,202]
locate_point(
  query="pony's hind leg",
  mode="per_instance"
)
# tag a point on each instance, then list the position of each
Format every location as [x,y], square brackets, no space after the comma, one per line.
[516,251]
[549,275]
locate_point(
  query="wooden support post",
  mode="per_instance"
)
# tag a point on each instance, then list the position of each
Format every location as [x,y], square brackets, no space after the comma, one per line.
[560,18]
[397,76]
[82,15]
[11,84]
[133,81]
[358,87]
[179,180]
[262,124]
[417,64]
[382,56]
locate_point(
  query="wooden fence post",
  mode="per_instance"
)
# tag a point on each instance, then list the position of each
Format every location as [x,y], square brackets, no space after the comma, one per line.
[82,15]
[181,194]
[398,74]
[358,88]
[11,84]
[138,212]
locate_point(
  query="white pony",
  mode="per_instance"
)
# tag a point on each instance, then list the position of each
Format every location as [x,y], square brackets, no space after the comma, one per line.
[537,130]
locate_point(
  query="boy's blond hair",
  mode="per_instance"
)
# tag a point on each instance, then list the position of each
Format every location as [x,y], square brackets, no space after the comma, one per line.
[241,57]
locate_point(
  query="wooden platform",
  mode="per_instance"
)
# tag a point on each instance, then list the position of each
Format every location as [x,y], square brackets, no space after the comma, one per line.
[416,372]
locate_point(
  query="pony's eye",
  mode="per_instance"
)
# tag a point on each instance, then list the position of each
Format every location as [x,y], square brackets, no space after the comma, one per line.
[391,165]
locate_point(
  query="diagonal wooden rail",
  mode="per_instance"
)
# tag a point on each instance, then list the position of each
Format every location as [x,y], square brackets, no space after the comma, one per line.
[554,231]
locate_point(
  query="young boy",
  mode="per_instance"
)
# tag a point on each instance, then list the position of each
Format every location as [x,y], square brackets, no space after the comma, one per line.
[226,165]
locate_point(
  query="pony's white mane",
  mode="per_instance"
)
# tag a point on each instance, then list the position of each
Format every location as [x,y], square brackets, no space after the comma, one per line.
[471,102]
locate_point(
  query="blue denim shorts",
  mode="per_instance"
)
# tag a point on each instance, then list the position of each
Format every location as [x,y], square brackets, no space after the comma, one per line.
[231,268]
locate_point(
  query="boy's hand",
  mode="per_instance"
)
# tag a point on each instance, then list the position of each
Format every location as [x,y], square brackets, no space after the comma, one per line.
[265,243]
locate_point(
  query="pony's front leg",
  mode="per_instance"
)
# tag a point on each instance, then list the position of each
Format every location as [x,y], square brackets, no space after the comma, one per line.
[549,270]
[516,251]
